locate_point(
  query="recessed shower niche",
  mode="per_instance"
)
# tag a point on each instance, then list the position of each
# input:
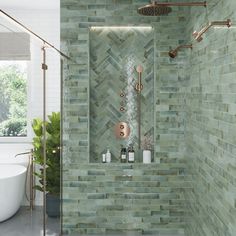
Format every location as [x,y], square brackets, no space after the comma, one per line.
[121,89]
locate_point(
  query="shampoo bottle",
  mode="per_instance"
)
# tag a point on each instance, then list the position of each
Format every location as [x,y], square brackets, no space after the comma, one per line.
[103,158]
[131,154]
[123,157]
[108,156]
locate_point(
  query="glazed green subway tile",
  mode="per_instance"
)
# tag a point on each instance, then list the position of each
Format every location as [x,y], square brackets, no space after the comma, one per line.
[142,190]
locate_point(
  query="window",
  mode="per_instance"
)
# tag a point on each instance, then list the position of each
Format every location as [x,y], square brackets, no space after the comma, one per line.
[13,99]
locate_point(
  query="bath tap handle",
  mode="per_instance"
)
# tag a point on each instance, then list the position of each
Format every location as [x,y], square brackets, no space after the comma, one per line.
[24,153]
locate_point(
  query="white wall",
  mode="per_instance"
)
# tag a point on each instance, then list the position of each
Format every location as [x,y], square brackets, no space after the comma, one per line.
[46,23]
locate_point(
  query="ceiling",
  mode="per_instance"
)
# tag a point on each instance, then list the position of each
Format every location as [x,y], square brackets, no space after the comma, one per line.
[29,4]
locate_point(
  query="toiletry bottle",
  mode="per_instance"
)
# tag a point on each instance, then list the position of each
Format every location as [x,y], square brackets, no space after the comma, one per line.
[108,156]
[103,158]
[123,157]
[131,154]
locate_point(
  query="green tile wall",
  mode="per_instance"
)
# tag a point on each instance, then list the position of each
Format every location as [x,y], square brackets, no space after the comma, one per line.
[210,124]
[124,198]
[114,56]
[154,197]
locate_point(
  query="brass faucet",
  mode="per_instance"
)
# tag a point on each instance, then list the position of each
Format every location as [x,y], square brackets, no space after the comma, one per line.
[31,169]
[24,153]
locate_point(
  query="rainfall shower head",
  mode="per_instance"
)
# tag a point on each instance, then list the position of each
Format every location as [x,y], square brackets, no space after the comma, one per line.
[173,53]
[163,8]
[154,9]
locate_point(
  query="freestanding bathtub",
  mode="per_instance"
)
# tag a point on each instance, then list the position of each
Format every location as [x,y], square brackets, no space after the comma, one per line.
[12,188]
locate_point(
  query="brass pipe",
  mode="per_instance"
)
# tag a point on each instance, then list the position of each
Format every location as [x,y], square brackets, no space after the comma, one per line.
[183,4]
[32,181]
[30,172]
[198,34]
[32,33]
[61,147]
[173,53]
[139,120]
[139,86]
[44,68]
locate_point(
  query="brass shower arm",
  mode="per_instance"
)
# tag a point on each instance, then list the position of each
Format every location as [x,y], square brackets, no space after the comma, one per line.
[156,8]
[179,4]
[198,35]
[173,53]
[184,46]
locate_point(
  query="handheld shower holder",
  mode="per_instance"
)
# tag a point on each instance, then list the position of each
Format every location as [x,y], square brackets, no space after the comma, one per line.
[139,86]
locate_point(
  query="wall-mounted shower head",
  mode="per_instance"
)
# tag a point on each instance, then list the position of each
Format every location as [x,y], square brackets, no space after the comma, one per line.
[173,53]
[198,34]
[163,8]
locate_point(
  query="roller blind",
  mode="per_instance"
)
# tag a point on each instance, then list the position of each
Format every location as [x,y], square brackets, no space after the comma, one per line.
[14,46]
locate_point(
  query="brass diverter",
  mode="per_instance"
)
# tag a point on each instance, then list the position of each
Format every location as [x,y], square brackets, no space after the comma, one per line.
[122,130]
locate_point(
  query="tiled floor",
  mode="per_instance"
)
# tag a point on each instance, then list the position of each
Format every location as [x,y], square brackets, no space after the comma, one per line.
[128,234]
[26,224]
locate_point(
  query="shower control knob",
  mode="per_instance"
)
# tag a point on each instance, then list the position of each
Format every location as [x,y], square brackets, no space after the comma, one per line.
[122,130]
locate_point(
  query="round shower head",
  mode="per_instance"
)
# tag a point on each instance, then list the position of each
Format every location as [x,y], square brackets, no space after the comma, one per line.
[154,9]
[172,53]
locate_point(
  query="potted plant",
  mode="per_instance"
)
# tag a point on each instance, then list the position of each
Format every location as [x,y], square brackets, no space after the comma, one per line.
[52,162]
[147,144]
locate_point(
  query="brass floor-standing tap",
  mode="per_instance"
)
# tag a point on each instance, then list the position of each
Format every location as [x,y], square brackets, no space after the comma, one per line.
[30,172]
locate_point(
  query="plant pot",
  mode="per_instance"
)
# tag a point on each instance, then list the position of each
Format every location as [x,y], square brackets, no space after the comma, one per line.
[52,205]
[147,156]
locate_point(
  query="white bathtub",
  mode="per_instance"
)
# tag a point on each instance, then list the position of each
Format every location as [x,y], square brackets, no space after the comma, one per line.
[12,188]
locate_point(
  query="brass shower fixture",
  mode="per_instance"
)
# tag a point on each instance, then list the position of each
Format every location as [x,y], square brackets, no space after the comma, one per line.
[173,53]
[198,35]
[139,86]
[156,8]
[122,130]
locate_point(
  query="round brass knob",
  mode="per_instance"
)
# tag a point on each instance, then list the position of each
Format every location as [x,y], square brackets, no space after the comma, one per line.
[122,134]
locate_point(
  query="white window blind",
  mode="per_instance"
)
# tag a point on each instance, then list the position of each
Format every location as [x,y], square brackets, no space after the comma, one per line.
[14,46]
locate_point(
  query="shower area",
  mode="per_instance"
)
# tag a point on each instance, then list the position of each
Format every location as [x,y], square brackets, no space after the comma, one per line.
[157,72]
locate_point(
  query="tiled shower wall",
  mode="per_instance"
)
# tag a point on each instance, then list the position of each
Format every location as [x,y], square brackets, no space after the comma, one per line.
[114,57]
[92,193]
[211,124]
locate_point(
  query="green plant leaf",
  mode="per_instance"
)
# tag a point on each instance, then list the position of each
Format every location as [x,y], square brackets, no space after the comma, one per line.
[52,152]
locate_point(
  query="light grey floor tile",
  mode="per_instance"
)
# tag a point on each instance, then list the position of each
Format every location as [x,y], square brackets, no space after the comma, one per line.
[25,223]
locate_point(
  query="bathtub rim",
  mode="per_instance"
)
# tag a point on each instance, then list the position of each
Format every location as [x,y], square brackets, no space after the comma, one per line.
[23,160]
[23,170]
